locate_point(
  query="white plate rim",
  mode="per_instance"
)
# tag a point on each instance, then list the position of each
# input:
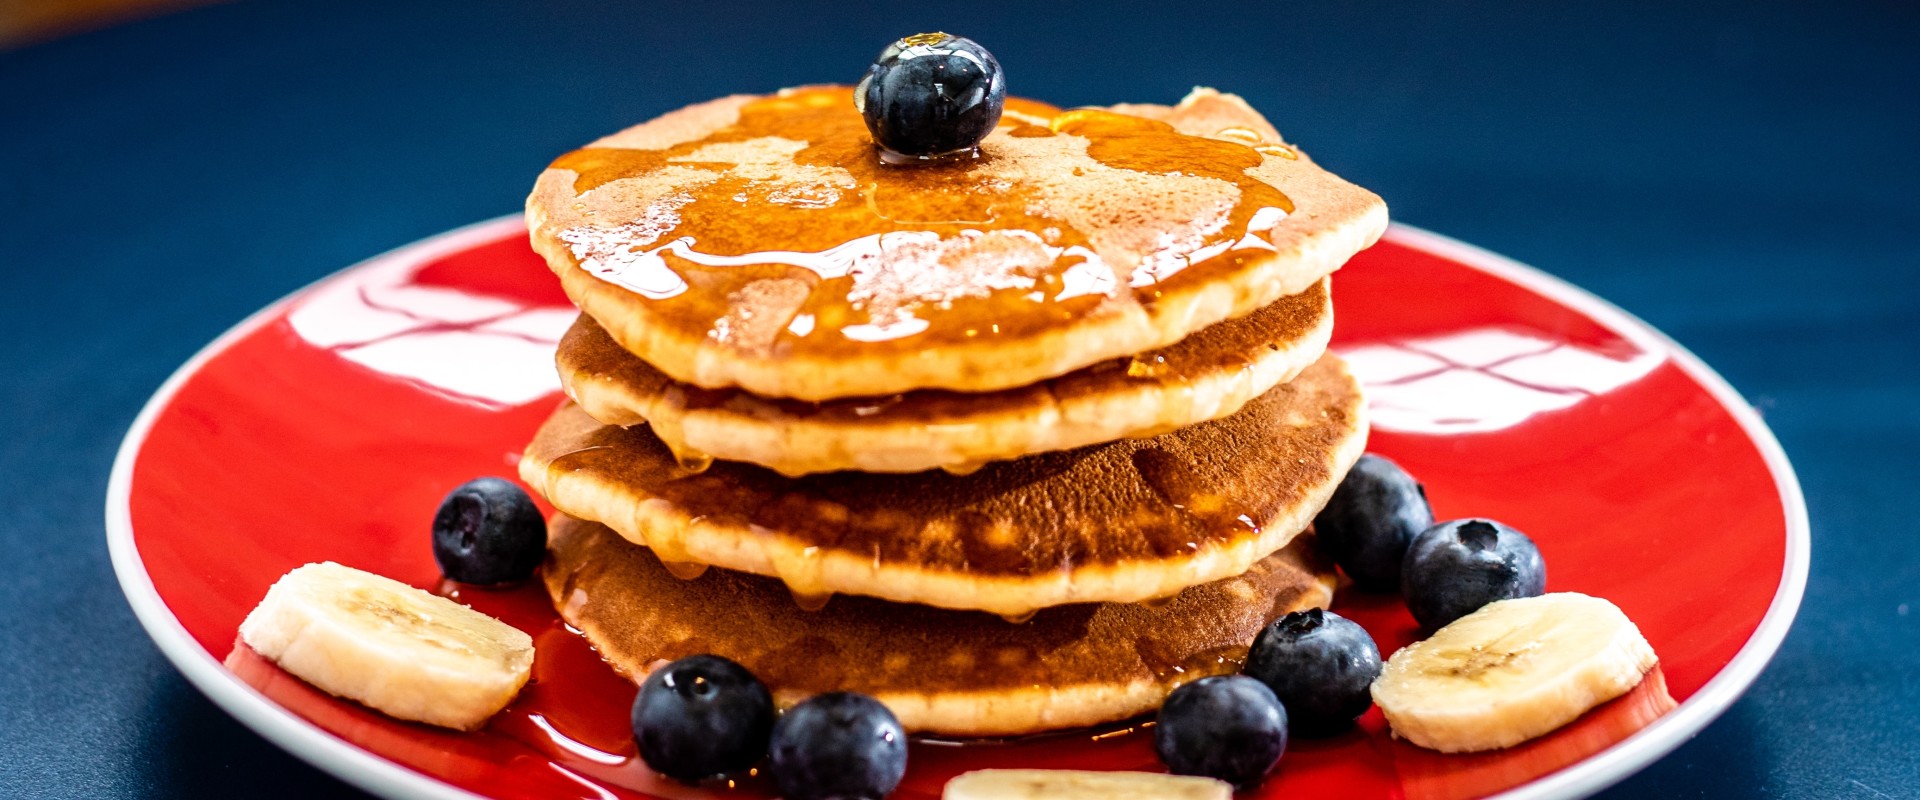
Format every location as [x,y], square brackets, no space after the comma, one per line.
[380,776]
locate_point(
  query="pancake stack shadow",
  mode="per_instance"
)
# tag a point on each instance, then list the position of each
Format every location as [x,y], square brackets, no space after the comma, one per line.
[1019,543]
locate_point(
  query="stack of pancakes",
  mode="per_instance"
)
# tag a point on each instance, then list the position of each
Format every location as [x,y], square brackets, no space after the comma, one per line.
[1013,443]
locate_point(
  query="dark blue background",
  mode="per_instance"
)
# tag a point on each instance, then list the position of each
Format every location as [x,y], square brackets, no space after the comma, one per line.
[1743,176]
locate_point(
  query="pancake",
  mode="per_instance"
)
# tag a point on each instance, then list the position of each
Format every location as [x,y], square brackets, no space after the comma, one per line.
[958,673]
[758,242]
[1125,521]
[1205,376]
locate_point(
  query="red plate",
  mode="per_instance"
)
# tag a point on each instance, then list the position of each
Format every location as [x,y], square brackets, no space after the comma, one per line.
[329,425]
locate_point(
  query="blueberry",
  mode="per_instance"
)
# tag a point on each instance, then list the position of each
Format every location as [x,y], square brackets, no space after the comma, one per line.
[931,94]
[1228,727]
[838,745]
[1321,665]
[488,531]
[1454,568]
[1372,516]
[702,716]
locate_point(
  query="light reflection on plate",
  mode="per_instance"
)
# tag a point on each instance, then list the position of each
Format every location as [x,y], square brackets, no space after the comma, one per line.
[1486,379]
[484,349]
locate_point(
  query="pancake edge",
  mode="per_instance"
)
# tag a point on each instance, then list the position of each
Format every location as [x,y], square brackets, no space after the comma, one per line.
[798,445]
[763,552]
[1344,219]
[976,714]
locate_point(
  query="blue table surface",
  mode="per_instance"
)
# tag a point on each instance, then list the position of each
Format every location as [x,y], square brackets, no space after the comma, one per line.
[1742,175]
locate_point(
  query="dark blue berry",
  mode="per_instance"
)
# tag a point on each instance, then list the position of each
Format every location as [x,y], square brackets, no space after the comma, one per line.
[1373,515]
[488,531]
[702,716]
[1321,665]
[1228,727]
[839,745]
[1454,568]
[931,94]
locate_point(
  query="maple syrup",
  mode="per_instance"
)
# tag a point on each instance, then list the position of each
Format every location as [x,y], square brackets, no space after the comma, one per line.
[1027,237]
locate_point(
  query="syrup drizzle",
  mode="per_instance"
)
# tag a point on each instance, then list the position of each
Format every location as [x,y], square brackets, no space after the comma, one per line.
[868,255]
[1177,483]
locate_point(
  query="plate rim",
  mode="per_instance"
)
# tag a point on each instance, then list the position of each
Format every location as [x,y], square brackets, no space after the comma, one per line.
[1664,735]
[375,774]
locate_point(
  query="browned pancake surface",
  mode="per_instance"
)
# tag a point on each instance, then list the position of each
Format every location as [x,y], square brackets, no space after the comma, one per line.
[1128,520]
[950,671]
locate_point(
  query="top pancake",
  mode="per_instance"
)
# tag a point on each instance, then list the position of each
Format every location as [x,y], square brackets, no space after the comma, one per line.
[758,241]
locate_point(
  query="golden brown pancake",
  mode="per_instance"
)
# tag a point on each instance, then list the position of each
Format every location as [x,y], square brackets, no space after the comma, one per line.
[1205,376]
[958,673]
[1126,521]
[759,242]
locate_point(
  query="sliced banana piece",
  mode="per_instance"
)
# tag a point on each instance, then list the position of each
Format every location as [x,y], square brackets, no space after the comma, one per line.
[390,646]
[1064,784]
[1511,671]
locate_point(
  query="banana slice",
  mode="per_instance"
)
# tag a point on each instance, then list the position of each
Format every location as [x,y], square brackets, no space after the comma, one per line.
[390,646]
[1511,671]
[1064,784]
